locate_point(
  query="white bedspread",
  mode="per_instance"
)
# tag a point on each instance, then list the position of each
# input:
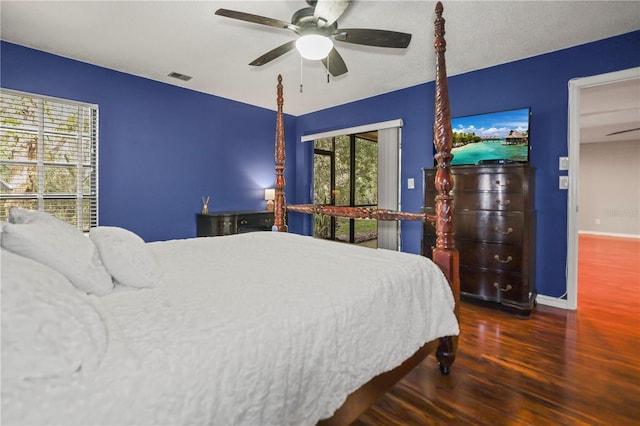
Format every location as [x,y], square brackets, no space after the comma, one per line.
[255,329]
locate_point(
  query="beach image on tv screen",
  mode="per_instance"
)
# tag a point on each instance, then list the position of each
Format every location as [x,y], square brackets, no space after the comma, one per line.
[491,137]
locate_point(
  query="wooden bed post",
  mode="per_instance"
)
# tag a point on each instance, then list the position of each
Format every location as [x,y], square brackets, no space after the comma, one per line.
[445,254]
[279,205]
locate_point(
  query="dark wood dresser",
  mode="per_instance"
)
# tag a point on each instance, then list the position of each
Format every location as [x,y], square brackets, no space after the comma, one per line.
[494,232]
[227,223]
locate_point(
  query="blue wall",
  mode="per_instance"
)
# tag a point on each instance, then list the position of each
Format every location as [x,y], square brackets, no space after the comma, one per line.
[540,82]
[161,147]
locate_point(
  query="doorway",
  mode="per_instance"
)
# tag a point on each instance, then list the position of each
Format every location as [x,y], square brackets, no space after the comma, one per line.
[389,143]
[346,174]
[575,88]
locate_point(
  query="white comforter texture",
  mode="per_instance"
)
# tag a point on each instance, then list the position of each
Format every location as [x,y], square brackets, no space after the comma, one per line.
[263,328]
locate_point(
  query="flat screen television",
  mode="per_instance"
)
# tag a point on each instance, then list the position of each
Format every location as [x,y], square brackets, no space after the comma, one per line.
[492,138]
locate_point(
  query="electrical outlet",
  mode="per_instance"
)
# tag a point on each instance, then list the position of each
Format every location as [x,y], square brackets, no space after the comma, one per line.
[563,164]
[597,221]
[564,182]
[411,183]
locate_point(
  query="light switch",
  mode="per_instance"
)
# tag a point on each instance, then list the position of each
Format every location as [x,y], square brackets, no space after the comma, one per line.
[411,184]
[564,182]
[563,164]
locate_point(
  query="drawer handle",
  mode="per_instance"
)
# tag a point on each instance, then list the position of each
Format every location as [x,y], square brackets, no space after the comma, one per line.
[507,182]
[503,203]
[500,231]
[507,288]
[243,221]
[507,260]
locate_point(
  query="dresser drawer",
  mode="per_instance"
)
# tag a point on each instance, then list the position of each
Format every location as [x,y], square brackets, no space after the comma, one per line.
[502,182]
[504,179]
[491,226]
[254,222]
[498,257]
[484,200]
[488,226]
[500,201]
[492,285]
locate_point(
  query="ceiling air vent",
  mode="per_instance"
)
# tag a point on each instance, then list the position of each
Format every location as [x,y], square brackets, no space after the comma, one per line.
[179,76]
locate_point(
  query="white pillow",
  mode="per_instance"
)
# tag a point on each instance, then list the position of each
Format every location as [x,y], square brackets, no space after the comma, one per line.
[20,215]
[2,223]
[49,328]
[59,245]
[126,257]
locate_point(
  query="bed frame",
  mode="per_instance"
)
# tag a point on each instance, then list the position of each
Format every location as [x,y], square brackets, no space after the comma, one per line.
[445,254]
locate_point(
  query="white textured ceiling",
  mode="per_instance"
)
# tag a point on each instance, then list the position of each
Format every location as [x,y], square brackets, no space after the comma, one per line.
[153,38]
[610,112]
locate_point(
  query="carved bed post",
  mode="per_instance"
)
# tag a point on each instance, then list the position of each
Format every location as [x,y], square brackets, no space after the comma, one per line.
[445,254]
[279,204]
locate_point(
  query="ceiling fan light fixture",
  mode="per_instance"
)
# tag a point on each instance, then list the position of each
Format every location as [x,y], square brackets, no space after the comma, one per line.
[314,47]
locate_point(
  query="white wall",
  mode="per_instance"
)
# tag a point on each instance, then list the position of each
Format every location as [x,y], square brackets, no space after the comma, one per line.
[609,185]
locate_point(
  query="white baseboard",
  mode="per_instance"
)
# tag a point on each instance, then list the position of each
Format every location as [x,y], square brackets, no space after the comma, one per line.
[609,234]
[552,301]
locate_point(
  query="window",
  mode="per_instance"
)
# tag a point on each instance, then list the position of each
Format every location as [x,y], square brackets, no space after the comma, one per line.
[48,157]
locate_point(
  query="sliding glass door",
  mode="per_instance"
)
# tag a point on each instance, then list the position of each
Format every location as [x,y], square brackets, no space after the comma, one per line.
[346,174]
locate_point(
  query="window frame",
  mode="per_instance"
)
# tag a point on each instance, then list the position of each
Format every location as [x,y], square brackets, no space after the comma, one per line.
[85,164]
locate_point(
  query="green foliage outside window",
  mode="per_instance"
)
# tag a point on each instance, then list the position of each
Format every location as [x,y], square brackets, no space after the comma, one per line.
[48,157]
[365,175]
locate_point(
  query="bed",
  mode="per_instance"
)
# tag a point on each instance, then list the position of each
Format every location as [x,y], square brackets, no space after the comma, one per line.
[243,329]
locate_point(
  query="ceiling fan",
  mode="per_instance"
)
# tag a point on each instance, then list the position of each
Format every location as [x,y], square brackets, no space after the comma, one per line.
[316,26]
[623,131]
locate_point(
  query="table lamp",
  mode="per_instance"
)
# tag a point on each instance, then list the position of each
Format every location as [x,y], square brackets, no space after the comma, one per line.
[269,196]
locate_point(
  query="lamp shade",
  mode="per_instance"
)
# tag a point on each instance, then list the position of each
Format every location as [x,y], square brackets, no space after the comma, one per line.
[269,194]
[314,46]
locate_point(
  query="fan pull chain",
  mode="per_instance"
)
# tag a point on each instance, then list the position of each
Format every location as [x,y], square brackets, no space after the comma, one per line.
[300,73]
[328,67]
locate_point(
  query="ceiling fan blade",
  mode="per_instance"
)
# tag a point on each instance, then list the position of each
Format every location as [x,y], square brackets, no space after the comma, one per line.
[379,38]
[334,63]
[273,54]
[328,11]
[623,131]
[256,19]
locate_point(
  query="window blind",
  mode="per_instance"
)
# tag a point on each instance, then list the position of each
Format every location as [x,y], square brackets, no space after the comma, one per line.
[48,157]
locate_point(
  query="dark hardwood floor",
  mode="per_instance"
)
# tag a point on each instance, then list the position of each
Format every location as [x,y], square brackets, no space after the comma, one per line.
[560,367]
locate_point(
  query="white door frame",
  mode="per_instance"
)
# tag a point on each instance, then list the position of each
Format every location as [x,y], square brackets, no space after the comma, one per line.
[573,142]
